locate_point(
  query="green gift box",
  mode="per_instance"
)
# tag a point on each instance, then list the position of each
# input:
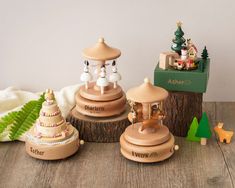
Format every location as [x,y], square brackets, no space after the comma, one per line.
[175,80]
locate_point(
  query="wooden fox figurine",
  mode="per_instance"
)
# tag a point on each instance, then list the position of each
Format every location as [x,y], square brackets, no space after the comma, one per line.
[223,135]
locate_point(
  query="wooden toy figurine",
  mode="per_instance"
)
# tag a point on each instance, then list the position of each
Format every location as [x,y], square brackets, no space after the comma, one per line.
[223,135]
[203,130]
[51,138]
[147,139]
[99,114]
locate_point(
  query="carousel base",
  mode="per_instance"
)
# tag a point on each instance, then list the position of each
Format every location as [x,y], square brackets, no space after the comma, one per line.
[147,147]
[147,154]
[91,103]
[52,151]
[99,129]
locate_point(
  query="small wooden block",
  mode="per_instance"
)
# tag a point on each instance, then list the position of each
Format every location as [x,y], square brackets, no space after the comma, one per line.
[98,129]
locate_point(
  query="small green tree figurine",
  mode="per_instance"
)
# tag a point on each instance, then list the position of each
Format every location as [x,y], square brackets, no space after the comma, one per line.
[179,41]
[204,131]
[204,54]
[192,131]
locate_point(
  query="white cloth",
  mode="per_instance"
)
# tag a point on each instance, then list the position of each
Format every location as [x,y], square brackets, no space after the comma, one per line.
[12,99]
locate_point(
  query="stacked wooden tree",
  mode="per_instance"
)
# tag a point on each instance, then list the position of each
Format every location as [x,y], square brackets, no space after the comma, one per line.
[185,76]
[51,138]
[99,114]
[147,139]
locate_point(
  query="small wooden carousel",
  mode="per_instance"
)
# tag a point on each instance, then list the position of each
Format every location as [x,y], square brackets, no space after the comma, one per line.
[100,104]
[147,139]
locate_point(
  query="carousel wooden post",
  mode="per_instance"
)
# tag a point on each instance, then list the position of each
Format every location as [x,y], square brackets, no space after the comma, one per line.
[146,140]
[100,113]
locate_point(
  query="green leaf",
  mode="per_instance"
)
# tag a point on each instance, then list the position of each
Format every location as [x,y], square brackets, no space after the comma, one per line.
[7,120]
[26,117]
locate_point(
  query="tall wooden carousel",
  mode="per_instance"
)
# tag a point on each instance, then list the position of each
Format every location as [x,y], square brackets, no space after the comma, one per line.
[147,139]
[100,112]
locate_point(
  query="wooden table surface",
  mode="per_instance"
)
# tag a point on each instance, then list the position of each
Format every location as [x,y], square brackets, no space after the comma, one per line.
[101,165]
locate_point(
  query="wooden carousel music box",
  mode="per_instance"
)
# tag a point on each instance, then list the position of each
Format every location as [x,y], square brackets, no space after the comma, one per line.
[51,137]
[147,139]
[99,114]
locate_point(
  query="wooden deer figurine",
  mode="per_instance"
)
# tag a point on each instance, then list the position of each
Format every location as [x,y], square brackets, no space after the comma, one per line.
[223,135]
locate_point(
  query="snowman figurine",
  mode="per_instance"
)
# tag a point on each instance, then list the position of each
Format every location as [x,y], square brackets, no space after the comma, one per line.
[86,75]
[102,81]
[184,54]
[115,76]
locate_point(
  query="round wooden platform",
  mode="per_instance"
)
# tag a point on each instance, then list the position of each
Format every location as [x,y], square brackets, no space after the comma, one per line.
[100,108]
[147,154]
[97,129]
[58,151]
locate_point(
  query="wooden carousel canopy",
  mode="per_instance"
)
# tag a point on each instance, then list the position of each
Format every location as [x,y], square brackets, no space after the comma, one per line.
[101,52]
[146,93]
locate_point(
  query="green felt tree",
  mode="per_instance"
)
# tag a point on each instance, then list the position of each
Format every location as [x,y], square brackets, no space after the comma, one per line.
[204,130]
[192,131]
[204,54]
[179,41]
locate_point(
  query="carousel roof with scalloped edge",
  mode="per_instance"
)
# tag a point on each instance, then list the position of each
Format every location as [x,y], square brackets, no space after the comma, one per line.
[101,52]
[146,93]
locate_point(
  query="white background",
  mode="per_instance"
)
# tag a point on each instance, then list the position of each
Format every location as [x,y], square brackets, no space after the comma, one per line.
[41,40]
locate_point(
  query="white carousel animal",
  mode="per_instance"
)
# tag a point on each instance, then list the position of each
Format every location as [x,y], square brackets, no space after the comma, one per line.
[102,81]
[184,54]
[115,76]
[86,75]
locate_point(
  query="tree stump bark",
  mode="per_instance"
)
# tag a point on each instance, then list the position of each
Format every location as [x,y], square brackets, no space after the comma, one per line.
[96,129]
[180,108]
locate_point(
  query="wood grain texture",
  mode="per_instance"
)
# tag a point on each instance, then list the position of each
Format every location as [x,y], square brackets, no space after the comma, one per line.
[180,108]
[225,112]
[101,164]
[96,129]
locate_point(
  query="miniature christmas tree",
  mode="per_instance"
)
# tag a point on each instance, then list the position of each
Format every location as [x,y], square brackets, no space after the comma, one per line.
[204,131]
[192,131]
[204,54]
[179,40]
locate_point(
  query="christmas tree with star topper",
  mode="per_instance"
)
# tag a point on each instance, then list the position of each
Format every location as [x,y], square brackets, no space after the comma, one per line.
[179,41]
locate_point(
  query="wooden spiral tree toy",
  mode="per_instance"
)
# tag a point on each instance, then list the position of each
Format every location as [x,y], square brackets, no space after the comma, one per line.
[147,139]
[51,138]
[100,104]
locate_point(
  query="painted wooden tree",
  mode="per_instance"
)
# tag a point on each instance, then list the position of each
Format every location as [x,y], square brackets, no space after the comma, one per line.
[204,131]
[179,40]
[192,131]
[204,54]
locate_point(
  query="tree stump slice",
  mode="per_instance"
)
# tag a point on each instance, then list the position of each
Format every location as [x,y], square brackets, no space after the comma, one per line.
[97,129]
[180,108]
